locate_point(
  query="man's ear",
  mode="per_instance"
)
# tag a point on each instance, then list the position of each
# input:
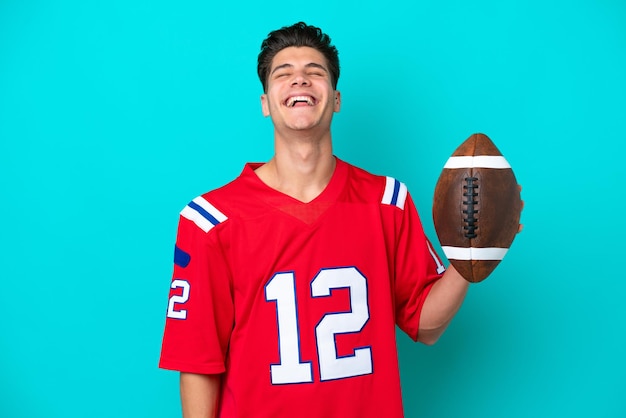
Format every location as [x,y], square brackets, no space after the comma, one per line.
[265,106]
[337,101]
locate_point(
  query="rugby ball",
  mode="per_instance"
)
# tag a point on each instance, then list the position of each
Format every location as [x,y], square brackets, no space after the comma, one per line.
[476,208]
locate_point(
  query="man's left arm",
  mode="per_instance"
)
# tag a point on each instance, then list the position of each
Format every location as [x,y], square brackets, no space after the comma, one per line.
[441,304]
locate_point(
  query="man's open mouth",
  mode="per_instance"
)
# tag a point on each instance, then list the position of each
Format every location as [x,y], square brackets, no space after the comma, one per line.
[295,100]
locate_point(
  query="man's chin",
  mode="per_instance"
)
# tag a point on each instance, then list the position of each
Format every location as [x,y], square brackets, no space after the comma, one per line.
[303,125]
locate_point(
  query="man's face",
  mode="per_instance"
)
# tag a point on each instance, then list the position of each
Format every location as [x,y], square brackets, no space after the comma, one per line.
[300,95]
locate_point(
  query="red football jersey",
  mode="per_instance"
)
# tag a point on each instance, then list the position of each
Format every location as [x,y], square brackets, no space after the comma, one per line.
[297,303]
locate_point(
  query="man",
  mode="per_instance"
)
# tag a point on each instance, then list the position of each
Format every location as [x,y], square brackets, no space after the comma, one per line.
[289,281]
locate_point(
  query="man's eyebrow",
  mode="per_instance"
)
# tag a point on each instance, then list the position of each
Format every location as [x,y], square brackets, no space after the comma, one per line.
[280,67]
[316,65]
[309,65]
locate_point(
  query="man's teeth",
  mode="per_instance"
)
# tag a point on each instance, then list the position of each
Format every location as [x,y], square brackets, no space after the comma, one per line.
[299,99]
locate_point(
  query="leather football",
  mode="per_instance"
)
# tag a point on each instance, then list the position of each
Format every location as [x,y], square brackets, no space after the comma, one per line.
[476,208]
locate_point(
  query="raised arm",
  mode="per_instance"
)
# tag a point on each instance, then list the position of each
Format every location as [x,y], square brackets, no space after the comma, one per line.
[442,303]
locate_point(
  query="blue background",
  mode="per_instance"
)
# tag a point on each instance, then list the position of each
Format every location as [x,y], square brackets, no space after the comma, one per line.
[113,115]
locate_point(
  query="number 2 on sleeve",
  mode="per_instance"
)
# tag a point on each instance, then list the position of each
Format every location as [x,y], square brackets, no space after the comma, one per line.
[177,299]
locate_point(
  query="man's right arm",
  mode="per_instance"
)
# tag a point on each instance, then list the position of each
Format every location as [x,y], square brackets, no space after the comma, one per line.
[199,394]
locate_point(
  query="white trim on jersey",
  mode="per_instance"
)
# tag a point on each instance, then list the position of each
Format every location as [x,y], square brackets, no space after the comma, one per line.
[473,253]
[477,161]
[395,193]
[440,267]
[203,214]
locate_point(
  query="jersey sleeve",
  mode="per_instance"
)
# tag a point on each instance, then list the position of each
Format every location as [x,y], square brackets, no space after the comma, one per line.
[200,308]
[417,268]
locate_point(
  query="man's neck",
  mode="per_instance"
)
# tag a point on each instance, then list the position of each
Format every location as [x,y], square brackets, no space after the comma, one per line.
[300,168]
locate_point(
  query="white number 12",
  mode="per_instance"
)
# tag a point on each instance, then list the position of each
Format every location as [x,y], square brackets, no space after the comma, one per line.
[291,369]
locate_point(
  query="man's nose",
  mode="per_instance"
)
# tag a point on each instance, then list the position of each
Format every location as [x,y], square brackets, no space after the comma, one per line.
[300,79]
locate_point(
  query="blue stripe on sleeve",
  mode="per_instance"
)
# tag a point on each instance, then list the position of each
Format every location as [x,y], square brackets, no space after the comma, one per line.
[203,212]
[181,258]
[396,191]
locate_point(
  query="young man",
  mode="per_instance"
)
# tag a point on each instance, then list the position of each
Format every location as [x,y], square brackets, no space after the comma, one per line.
[289,281]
